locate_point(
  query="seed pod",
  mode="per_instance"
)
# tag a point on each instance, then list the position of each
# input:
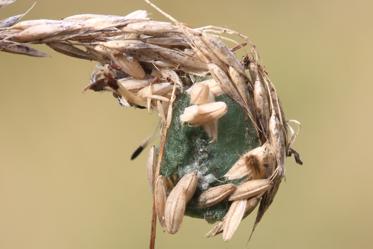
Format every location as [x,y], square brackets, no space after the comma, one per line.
[250,189]
[233,218]
[215,195]
[43,31]
[261,104]
[177,200]
[129,65]
[200,94]
[189,184]
[214,87]
[31,23]
[150,166]
[240,82]
[160,196]
[253,70]
[174,210]
[224,81]
[202,114]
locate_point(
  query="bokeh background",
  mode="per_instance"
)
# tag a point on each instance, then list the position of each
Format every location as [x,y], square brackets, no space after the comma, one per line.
[66,181]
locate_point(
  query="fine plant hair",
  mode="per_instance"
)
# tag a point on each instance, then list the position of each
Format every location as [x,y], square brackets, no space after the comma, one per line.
[189,76]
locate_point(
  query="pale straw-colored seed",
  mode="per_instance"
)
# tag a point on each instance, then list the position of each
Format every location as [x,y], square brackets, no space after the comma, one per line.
[250,189]
[160,197]
[201,94]
[215,230]
[174,210]
[240,81]
[214,87]
[214,195]
[202,114]
[233,218]
[129,65]
[31,23]
[150,166]
[253,71]
[224,81]
[189,184]
[177,200]
[261,103]
[223,52]
[42,31]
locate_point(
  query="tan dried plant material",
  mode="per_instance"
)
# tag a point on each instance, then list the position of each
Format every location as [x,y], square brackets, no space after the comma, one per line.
[150,166]
[156,65]
[250,189]
[176,202]
[233,218]
[160,193]
[215,195]
[205,113]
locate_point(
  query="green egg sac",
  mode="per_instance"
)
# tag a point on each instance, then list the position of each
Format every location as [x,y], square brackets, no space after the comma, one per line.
[189,149]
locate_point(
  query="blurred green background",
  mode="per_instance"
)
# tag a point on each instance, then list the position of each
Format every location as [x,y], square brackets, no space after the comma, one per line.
[66,181]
